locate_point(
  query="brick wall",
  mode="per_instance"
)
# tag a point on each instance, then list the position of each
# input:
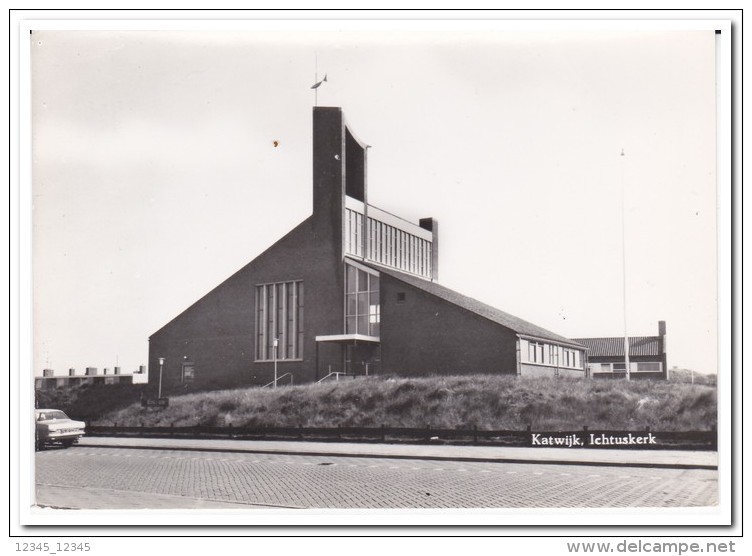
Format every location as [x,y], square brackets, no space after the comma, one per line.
[531,371]
[425,335]
[217,333]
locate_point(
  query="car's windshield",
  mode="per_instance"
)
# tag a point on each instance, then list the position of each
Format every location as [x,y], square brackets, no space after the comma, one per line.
[52,414]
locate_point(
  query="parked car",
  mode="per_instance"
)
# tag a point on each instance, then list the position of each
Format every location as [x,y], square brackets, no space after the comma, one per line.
[55,427]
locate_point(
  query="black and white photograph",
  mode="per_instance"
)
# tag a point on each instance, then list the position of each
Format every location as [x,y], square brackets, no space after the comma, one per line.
[377,273]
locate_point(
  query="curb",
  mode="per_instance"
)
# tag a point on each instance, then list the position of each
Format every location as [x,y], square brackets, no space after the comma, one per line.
[421,457]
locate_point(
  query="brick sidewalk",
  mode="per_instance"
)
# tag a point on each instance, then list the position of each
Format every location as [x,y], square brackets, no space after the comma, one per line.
[71,498]
[137,478]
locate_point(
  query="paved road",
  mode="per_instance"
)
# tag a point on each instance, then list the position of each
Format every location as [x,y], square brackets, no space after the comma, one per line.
[125,478]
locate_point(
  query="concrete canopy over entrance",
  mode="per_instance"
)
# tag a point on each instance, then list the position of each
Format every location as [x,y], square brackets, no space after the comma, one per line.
[358,351]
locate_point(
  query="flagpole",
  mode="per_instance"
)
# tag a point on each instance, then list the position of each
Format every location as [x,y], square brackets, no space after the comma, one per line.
[624,268]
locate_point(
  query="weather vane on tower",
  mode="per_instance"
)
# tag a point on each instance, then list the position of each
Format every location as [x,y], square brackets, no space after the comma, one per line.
[318,83]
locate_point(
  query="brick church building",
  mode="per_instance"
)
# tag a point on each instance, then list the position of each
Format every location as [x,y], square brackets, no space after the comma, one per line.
[352,289]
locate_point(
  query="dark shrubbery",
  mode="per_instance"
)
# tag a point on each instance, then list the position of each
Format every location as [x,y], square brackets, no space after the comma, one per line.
[89,402]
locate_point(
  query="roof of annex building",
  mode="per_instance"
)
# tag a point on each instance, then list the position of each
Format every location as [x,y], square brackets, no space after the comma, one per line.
[614,347]
[516,324]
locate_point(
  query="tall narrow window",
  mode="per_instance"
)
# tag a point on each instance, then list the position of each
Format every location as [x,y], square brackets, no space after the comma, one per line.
[354,232]
[362,308]
[374,307]
[358,239]
[413,254]
[279,315]
[395,247]
[348,231]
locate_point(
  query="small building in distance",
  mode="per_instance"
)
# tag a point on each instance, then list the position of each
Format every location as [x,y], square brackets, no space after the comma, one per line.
[48,380]
[352,289]
[647,356]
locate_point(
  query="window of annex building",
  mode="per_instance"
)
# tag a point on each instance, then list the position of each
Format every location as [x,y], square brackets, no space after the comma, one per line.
[362,309]
[639,367]
[279,316]
[541,353]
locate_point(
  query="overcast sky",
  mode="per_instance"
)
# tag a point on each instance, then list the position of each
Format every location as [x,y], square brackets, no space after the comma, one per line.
[155,175]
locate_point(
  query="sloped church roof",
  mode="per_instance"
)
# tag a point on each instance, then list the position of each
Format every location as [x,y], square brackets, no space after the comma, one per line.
[516,324]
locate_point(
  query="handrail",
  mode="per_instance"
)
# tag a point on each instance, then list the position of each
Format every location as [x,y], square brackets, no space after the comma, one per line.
[278,379]
[335,373]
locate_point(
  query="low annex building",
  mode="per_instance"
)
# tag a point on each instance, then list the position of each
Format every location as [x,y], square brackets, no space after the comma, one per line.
[352,289]
[647,356]
[50,381]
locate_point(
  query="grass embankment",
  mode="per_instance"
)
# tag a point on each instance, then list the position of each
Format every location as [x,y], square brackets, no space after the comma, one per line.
[488,402]
[686,375]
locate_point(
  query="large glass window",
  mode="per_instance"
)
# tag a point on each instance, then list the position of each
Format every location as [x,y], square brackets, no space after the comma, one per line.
[279,315]
[362,309]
